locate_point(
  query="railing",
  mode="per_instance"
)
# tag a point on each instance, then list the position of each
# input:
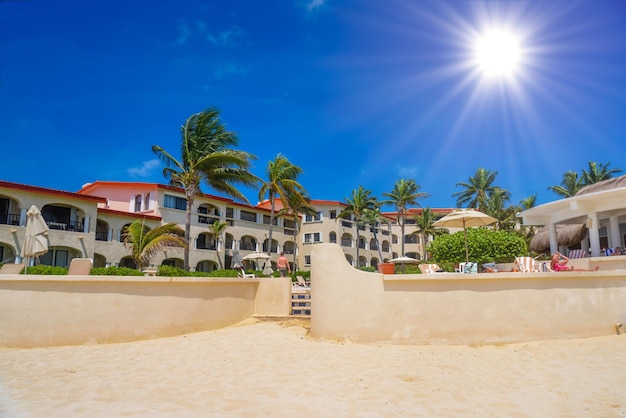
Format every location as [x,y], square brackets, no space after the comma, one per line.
[9,219]
[205,246]
[65,226]
[346,224]
[274,249]
[102,236]
[346,243]
[247,246]
[373,247]
[287,231]
[208,220]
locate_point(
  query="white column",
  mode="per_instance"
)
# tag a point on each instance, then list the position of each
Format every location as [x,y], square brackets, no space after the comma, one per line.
[86,224]
[110,235]
[613,231]
[594,234]
[23,216]
[554,245]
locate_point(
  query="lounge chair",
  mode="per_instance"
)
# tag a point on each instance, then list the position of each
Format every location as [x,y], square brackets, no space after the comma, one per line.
[526,264]
[11,268]
[80,267]
[469,267]
[429,268]
[243,275]
[301,282]
[573,254]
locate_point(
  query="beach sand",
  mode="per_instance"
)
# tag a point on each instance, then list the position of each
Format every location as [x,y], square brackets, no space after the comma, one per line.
[275,369]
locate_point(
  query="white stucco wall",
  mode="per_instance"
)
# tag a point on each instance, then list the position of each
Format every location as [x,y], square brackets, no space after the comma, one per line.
[454,308]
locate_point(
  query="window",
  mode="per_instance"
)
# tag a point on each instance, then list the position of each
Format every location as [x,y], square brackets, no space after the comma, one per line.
[333,214]
[307,260]
[146,202]
[266,220]
[138,203]
[247,216]
[174,202]
[287,223]
[333,237]
[230,213]
[313,237]
[312,218]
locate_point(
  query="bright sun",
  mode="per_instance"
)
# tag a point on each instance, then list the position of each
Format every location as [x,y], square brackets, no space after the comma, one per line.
[497,53]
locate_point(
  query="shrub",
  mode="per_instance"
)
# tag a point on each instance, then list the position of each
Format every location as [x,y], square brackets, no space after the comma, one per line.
[223,273]
[484,245]
[47,270]
[115,271]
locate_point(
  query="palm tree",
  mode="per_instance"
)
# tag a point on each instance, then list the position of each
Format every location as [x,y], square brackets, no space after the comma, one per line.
[405,193]
[527,231]
[570,185]
[360,201]
[598,172]
[217,230]
[145,242]
[282,183]
[424,227]
[373,217]
[296,209]
[206,157]
[477,189]
[529,202]
[495,206]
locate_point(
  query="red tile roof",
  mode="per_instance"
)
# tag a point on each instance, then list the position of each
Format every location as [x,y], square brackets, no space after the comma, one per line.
[55,192]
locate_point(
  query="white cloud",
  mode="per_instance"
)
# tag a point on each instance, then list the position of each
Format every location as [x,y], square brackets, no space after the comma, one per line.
[145,170]
[184,33]
[229,37]
[313,5]
[407,172]
[227,69]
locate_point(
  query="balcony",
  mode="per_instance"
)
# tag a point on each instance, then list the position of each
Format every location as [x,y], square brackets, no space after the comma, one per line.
[207,220]
[346,243]
[9,219]
[346,224]
[66,226]
[250,246]
[102,236]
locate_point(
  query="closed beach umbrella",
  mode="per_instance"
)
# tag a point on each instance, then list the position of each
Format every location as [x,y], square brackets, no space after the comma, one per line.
[236,262]
[464,218]
[267,269]
[35,242]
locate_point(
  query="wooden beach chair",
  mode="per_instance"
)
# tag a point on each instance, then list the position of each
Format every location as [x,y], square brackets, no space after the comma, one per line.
[580,253]
[10,268]
[80,267]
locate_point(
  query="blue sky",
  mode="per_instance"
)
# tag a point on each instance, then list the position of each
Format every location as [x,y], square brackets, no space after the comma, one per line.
[354,92]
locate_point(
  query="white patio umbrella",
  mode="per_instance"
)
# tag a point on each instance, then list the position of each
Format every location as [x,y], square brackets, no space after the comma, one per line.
[35,242]
[404,260]
[465,218]
[256,256]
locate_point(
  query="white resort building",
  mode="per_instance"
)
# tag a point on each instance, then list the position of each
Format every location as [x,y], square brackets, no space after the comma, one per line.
[90,223]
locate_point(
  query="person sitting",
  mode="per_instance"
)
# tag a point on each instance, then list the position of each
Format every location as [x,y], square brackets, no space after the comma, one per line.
[559,263]
[618,251]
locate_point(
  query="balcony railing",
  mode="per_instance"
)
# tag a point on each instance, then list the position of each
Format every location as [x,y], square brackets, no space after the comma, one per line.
[346,243]
[102,236]
[207,220]
[247,246]
[65,226]
[201,246]
[346,224]
[9,219]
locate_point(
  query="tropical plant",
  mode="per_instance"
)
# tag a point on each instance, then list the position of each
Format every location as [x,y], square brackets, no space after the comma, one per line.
[297,208]
[598,172]
[217,229]
[360,200]
[424,227]
[206,157]
[405,193]
[282,183]
[374,218]
[145,243]
[496,206]
[477,189]
[570,185]
[484,245]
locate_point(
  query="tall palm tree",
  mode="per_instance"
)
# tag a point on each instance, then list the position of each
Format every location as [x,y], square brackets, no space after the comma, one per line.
[570,185]
[477,189]
[217,230]
[527,231]
[598,172]
[425,228]
[206,157]
[496,206]
[529,202]
[405,193]
[282,183]
[360,200]
[374,218]
[297,208]
[145,243]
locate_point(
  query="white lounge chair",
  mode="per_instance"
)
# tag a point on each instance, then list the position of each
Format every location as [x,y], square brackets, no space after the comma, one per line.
[243,275]
[526,264]
[80,267]
[301,282]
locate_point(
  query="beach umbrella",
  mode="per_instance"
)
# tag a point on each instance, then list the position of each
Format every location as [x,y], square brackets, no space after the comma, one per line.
[464,218]
[267,269]
[236,262]
[404,260]
[35,240]
[256,256]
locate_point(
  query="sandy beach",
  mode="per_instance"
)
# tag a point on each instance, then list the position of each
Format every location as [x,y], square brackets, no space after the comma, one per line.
[276,369]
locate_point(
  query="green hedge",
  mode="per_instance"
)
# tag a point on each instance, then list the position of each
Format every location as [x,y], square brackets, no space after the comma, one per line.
[115,271]
[484,246]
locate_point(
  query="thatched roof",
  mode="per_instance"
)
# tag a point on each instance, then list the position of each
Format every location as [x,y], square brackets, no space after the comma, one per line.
[568,235]
[609,184]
